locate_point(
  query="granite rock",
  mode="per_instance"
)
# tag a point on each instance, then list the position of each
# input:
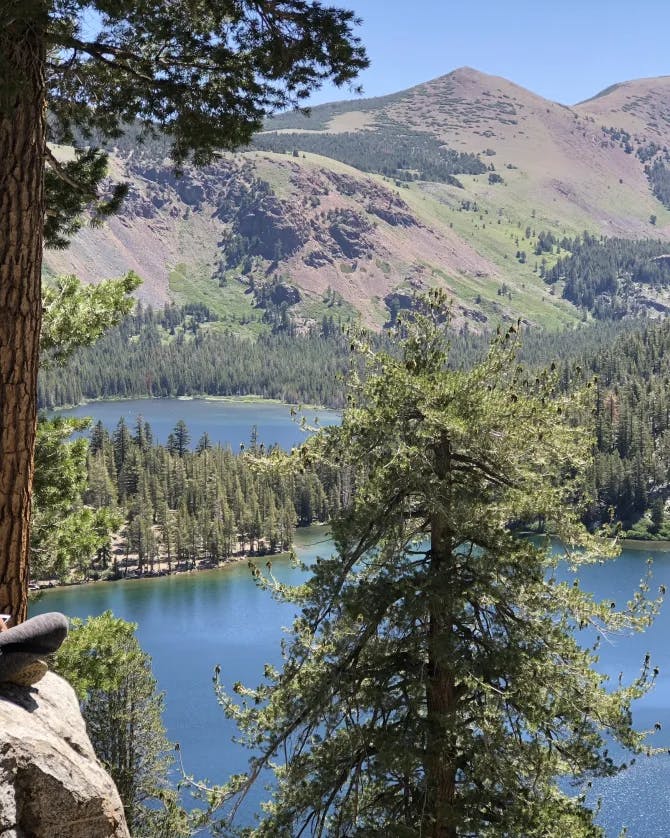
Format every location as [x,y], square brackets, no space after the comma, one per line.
[51,783]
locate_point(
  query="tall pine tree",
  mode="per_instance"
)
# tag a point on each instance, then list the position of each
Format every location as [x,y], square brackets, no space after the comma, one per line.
[73,71]
[435,683]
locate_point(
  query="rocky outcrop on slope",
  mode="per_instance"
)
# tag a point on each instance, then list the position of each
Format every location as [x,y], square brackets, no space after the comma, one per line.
[348,230]
[273,226]
[51,784]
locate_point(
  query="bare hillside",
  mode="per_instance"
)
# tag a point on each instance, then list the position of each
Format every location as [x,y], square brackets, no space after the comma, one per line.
[450,182]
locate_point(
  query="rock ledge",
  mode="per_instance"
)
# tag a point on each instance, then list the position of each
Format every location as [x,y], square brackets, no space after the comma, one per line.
[51,784]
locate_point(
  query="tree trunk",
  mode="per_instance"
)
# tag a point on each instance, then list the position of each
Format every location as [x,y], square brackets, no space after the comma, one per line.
[22,146]
[440,687]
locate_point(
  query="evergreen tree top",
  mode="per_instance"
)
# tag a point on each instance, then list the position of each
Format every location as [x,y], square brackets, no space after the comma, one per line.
[203,72]
[437,680]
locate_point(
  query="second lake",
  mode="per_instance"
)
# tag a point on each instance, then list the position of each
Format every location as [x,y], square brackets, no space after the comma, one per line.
[228,422]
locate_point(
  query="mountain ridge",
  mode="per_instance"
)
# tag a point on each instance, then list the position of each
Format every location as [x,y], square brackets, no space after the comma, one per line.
[448,182]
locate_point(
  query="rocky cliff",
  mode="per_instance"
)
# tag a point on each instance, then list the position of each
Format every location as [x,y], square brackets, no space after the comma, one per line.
[51,784]
[450,183]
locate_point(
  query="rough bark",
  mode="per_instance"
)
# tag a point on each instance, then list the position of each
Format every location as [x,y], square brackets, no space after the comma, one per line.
[440,688]
[22,143]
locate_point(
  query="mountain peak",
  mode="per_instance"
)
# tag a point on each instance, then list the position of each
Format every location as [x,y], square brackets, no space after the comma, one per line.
[468,82]
[633,85]
[639,106]
[456,178]
[468,76]
[466,73]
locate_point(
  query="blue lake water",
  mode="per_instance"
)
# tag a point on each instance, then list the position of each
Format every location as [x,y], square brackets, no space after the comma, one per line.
[227,421]
[190,623]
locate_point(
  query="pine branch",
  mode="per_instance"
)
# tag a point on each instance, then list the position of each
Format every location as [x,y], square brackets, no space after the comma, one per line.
[65,177]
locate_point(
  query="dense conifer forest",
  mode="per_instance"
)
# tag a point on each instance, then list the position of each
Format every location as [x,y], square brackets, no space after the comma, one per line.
[169,353]
[174,352]
[189,501]
[390,150]
[632,465]
[607,276]
[629,361]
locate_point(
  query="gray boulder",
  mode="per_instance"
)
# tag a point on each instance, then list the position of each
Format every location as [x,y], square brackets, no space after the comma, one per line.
[51,783]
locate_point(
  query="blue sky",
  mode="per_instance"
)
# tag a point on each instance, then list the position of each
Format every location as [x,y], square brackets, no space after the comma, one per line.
[565,51]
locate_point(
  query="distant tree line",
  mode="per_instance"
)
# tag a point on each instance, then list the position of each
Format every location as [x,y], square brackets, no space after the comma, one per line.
[632,462]
[389,150]
[168,353]
[658,174]
[600,274]
[318,117]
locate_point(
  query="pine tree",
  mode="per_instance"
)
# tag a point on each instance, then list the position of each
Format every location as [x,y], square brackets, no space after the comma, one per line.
[435,683]
[100,490]
[65,534]
[204,443]
[179,439]
[112,677]
[122,442]
[205,74]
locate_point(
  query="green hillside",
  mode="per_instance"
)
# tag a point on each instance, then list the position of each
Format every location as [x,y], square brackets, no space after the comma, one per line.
[468,182]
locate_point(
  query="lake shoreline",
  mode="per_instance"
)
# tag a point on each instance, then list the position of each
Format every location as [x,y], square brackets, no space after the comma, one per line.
[246,399]
[660,545]
[161,567]
[161,571]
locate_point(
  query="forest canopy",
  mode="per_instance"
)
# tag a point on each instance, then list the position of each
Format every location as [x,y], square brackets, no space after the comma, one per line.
[76,72]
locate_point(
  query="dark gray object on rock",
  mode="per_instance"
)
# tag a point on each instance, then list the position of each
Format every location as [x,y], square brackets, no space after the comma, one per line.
[23,646]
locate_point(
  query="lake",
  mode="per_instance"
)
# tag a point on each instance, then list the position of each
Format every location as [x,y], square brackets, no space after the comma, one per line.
[190,623]
[227,421]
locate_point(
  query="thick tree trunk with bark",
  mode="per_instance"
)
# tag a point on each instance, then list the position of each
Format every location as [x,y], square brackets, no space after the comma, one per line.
[22,143]
[441,696]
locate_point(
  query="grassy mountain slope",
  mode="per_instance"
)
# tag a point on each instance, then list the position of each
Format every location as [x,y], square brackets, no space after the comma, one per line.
[363,202]
[640,106]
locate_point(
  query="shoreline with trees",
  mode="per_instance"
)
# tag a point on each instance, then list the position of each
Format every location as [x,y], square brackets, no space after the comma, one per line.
[170,507]
[161,567]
